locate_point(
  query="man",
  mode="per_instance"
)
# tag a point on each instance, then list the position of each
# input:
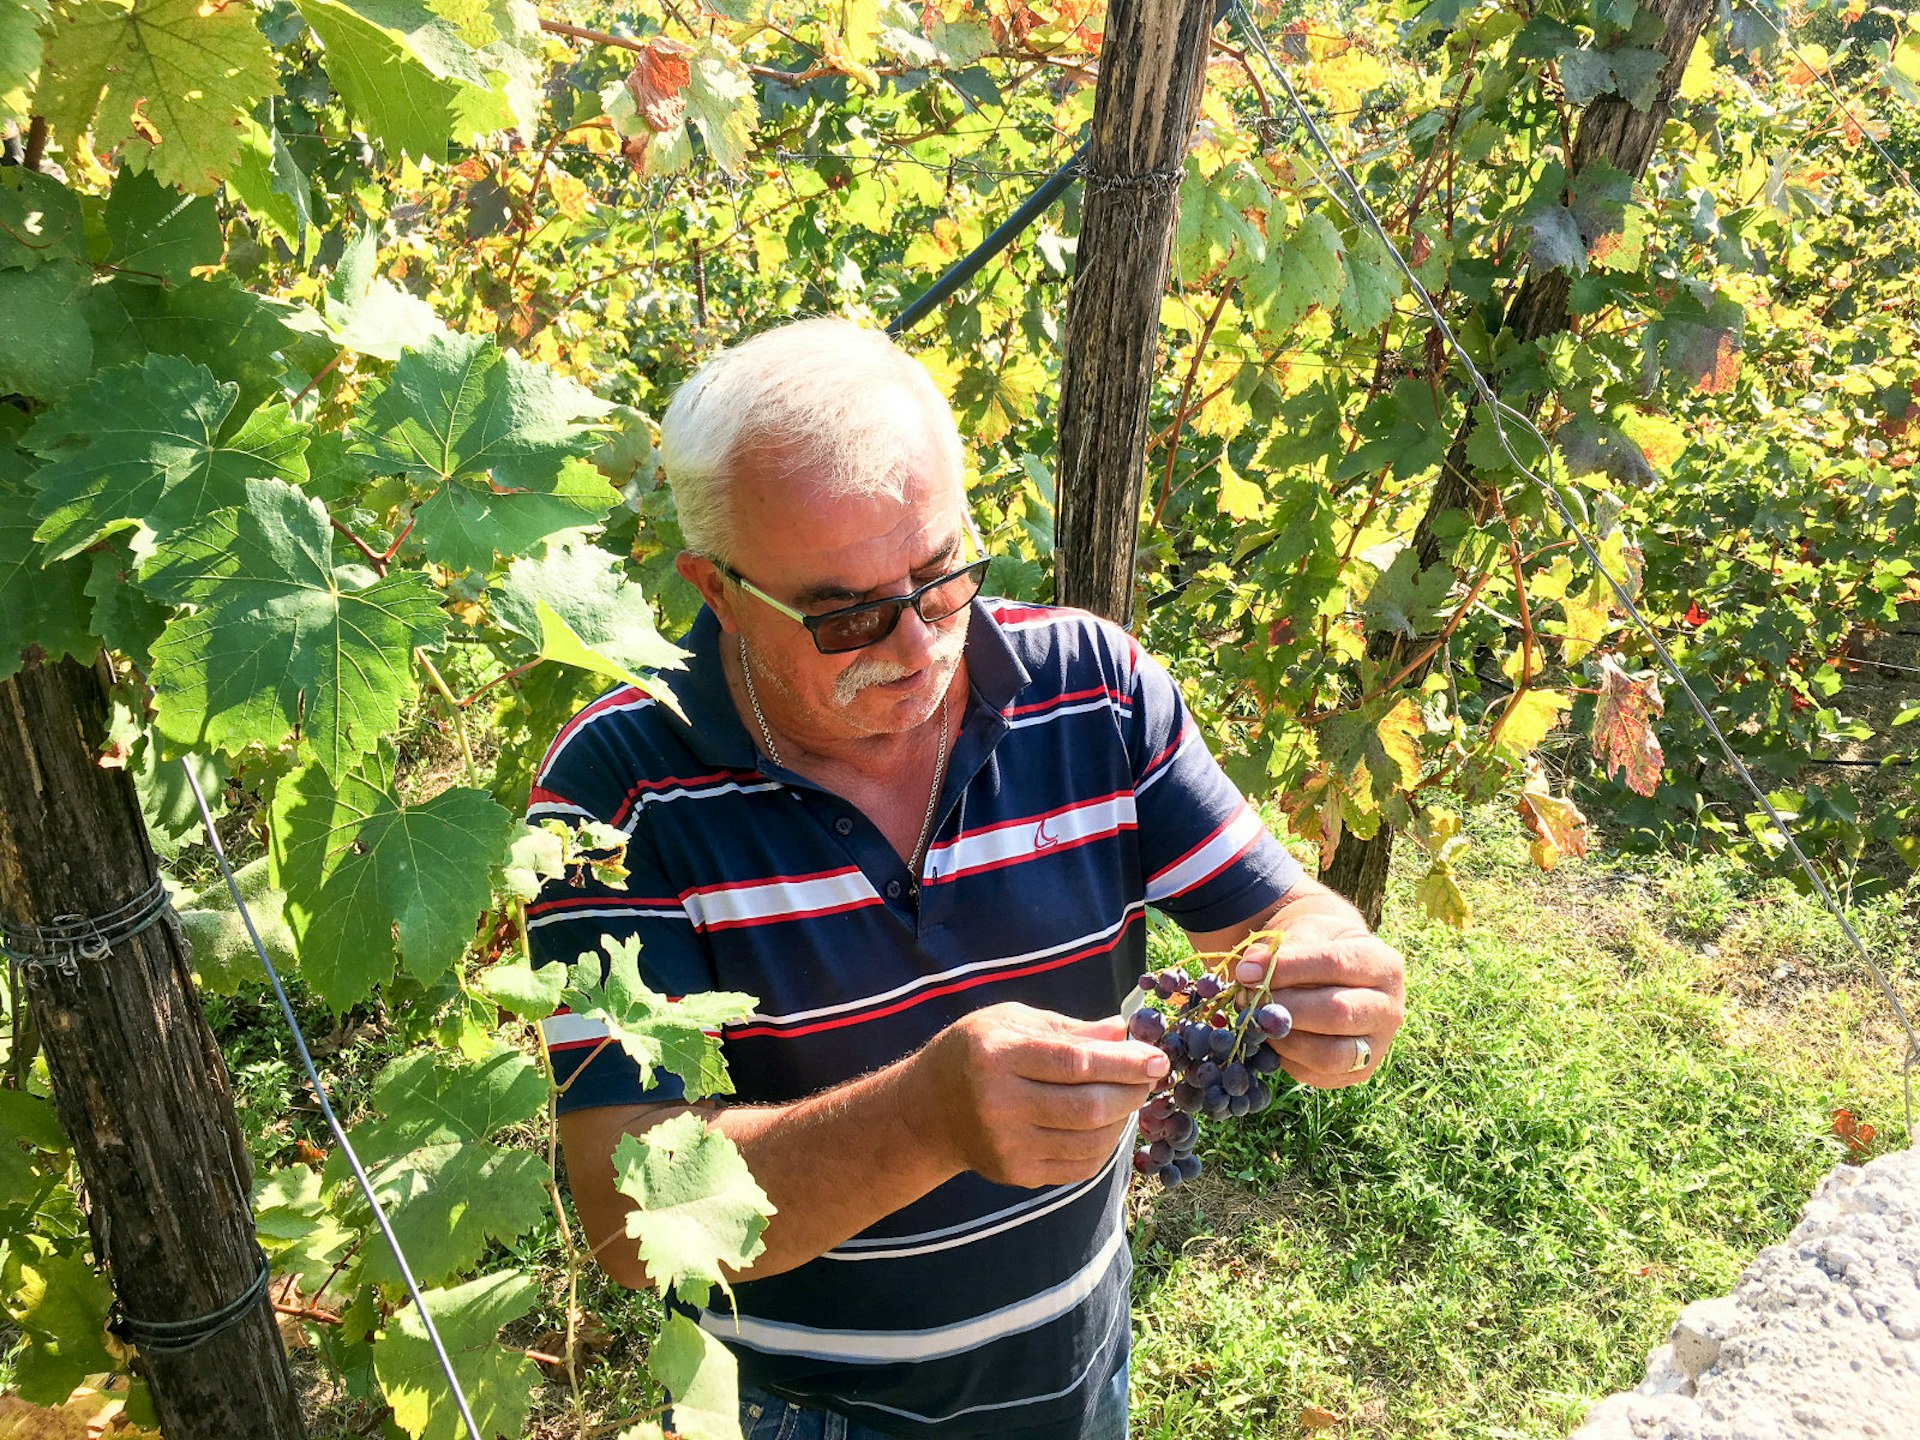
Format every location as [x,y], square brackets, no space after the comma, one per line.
[922,828]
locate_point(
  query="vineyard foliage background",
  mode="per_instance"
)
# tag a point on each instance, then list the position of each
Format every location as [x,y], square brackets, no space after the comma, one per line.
[333,334]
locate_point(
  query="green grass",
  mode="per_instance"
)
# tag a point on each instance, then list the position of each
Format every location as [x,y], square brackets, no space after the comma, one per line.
[1610,1092]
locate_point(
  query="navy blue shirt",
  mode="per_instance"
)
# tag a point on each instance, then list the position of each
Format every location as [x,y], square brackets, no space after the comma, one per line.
[1078,792]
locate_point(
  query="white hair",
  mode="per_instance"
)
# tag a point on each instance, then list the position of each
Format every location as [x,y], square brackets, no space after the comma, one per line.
[825,395]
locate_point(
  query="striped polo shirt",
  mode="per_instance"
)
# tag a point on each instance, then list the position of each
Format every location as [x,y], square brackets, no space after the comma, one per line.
[1078,792]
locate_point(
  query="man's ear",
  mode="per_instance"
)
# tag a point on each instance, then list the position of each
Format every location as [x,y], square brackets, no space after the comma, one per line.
[701,573]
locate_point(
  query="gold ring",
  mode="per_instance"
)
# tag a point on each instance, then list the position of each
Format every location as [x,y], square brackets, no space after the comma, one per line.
[1362,1055]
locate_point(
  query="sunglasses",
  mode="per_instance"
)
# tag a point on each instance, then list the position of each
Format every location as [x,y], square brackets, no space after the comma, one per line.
[854,627]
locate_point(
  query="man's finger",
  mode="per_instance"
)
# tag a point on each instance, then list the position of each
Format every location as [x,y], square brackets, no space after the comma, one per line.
[1088,1062]
[1339,1010]
[1326,1056]
[1357,961]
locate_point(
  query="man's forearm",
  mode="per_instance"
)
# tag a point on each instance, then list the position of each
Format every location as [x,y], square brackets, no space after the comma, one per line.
[832,1164]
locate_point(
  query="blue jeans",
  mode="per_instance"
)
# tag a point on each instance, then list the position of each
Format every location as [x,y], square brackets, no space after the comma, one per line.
[768,1417]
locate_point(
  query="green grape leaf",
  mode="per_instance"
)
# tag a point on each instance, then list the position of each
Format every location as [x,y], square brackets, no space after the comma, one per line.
[43,601]
[1585,75]
[530,991]
[268,181]
[45,349]
[1299,274]
[168,83]
[1405,598]
[297,1228]
[157,233]
[1623,738]
[447,1202]
[42,219]
[703,1378]
[428,1098]
[20,22]
[990,400]
[656,1033]
[215,322]
[466,523]
[30,1120]
[498,1380]
[127,621]
[406,73]
[587,589]
[60,1305]
[369,314]
[460,405]
[143,446]
[279,638]
[1557,243]
[365,874]
[1372,285]
[696,1206]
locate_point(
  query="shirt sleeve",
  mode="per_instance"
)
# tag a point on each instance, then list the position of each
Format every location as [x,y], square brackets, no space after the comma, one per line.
[576,917]
[1210,863]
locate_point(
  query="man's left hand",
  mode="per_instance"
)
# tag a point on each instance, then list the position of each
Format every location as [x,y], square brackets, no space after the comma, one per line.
[1344,986]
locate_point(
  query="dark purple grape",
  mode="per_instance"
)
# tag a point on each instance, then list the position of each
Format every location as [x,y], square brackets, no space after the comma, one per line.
[1216,1096]
[1189,1166]
[1142,1164]
[1235,1078]
[1207,987]
[1147,1025]
[1206,1073]
[1259,1093]
[1160,1152]
[1222,1042]
[1264,1060]
[1147,984]
[1236,1105]
[1182,1130]
[1187,1097]
[1198,1039]
[1274,1020]
[1170,1175]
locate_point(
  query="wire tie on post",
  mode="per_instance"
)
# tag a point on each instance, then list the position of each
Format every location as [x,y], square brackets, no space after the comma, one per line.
[71,938]
[174,1337]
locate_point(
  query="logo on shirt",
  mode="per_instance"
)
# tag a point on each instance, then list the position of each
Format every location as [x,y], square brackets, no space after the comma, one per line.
[1041,839]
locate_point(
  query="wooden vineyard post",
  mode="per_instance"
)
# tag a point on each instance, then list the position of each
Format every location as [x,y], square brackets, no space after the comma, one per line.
[1153,58]
[138,1083]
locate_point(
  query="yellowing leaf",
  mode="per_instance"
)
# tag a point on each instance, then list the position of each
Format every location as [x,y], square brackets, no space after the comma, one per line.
[1557,826]
[658,82]
[168,82]
[1529,716]
[1585,620]
[1660,439]
[1240,498]
[1439,894]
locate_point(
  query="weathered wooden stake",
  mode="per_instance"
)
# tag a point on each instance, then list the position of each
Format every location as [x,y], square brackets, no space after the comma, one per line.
[139,1085]
[1153,61]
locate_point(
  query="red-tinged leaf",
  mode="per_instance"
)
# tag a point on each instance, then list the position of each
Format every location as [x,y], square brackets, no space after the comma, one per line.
[659,80]
[1558,827]
[1623,738]
[1843,1123]
[1695,616]
[1314,1417]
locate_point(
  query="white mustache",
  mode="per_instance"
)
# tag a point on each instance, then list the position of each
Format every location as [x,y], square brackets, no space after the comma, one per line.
[878,670]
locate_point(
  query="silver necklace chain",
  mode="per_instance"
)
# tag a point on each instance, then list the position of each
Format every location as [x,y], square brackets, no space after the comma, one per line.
[939,762]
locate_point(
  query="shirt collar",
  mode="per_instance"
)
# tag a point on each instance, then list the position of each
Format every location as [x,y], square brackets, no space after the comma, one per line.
[713,727]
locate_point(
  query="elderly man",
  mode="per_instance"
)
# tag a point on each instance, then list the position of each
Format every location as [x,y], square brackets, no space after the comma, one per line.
[922,828]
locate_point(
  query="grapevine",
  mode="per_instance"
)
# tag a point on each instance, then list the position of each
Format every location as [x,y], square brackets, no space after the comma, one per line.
[1215,1033]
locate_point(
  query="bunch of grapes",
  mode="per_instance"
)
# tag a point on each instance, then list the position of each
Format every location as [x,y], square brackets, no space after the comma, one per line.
[1215,1034]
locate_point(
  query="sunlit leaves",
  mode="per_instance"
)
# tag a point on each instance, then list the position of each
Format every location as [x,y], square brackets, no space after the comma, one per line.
[595,602]
[368,877]
[152,447]
[658,1033]
[1406,598]
[497,1379]
[60,1305]
[367,313]
[702,1376]
[1698,343]
[1376,748]
[1556,824]
[1623,738]
[42,601]
[697,1209]
[659,111]
[166,82]
[280,637]
[20,22]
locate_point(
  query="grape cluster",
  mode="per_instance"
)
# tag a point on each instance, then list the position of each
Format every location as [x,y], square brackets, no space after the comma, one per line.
[1220,1064]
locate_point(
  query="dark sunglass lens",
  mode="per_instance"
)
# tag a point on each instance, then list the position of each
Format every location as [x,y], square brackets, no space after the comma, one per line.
[952,595]
[851,632]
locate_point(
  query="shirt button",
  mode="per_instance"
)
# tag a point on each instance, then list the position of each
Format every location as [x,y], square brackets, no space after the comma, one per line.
[893,889]
[843,825]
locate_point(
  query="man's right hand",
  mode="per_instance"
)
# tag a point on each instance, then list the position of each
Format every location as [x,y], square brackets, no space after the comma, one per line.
[1030,1098]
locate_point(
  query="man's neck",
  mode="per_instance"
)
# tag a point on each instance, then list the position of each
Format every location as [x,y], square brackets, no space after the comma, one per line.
[881,760]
